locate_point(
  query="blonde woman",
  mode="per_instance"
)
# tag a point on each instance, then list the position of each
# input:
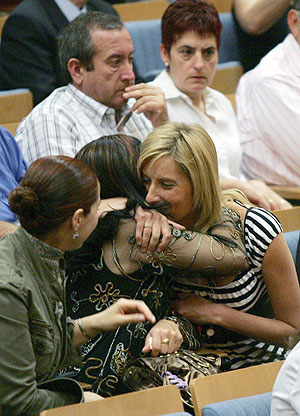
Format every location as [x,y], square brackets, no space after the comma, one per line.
[250,315]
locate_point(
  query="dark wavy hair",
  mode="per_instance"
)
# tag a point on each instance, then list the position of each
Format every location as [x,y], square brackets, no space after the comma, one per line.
[189,15]
[114,160]
[52,189]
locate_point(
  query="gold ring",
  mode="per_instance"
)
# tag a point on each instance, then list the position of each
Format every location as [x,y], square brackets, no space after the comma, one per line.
[147,226]
[165,341]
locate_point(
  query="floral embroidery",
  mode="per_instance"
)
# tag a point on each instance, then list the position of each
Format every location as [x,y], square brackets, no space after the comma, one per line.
[158,259]
[104,297]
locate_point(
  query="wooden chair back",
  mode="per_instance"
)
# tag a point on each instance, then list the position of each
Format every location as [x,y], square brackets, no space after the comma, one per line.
[151,402]
[231,98]
[11,127]
[233,384]
[289,218]
[15,106]
[227,78]
[2,21]
[222,6]
[141,10]
[287,192]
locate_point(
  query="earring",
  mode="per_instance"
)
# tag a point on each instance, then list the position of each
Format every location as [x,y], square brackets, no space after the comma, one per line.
[75,235]
[166,64]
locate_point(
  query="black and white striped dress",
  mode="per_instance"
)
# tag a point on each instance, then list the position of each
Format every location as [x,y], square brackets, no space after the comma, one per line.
[247,293]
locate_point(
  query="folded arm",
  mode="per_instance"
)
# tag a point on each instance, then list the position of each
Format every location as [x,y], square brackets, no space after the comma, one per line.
[283,289]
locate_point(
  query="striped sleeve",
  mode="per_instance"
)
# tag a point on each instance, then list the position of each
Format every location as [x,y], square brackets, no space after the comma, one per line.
[261,227]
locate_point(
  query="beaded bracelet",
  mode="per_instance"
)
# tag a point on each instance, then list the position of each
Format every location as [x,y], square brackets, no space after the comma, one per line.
[82,330]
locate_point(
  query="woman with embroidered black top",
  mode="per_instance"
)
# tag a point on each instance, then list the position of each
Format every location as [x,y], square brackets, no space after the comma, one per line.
[57,203]
[250,315]
[111,265]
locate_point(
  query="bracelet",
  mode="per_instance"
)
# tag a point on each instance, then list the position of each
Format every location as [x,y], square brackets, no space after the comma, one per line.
[82,330]
[172,319]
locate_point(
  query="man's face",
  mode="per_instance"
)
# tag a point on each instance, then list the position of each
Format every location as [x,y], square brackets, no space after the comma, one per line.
[112,71]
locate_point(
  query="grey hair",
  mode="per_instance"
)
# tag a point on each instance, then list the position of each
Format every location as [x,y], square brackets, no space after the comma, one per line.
[75,40]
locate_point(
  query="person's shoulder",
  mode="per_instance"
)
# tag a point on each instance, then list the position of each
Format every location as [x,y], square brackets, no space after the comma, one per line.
[260,218]
[101,6]
[57,102]
[12,275]
[5,136]
[8,145]
[29,9]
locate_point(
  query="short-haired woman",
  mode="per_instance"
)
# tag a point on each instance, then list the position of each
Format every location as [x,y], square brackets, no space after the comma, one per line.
[191,32]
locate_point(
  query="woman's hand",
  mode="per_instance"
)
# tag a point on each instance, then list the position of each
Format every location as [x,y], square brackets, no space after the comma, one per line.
[164,338]
[281,281]
[195,309]
[122,312]
[153,230]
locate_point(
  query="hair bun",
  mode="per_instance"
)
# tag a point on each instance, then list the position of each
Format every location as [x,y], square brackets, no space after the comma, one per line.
[24,202]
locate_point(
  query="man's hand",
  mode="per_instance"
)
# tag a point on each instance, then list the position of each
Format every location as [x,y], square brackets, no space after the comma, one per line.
[150,101]
[262,195]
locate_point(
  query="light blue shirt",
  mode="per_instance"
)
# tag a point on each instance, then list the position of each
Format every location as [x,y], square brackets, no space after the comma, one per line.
[69,9]
[12,169]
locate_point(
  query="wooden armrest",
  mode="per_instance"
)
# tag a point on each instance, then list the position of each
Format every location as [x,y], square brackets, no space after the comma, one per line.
[287,192]
[289,218]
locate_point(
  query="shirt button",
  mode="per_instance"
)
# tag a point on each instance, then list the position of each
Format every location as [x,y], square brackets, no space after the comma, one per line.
[210,332]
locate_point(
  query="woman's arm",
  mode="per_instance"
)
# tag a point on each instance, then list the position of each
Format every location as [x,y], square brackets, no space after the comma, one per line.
[19,392]
[257,192]
[122,312]
[283,288]
[257,16]
[221,252]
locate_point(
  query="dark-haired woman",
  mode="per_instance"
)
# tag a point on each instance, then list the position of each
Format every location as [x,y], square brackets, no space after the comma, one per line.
[107,268]
[191,32]
[57,203]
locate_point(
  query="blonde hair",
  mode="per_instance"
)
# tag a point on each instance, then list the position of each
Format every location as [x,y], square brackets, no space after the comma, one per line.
[194,151]
[234,194]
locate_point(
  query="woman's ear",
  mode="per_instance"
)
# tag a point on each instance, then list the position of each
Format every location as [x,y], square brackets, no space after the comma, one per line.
[77,219]
[164,55]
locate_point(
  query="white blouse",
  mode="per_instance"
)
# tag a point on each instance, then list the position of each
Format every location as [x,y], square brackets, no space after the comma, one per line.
[286,391]
[223,130]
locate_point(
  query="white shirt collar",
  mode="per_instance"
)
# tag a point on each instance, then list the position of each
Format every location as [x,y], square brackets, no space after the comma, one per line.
[69,9]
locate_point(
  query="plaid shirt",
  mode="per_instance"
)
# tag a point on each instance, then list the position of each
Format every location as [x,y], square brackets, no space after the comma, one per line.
[69,119]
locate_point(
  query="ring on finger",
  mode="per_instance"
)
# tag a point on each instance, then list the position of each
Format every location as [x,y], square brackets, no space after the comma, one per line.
[165,341]
[147,226]
[271,200]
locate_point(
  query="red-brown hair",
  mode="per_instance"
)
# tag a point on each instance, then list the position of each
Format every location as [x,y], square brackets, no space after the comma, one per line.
[189,15]
[52,189]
